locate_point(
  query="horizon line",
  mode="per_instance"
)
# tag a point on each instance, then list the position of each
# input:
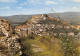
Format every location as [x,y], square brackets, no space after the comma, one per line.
[38,13]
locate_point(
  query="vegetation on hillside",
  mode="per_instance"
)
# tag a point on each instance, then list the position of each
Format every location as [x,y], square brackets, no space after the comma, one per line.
[34,45]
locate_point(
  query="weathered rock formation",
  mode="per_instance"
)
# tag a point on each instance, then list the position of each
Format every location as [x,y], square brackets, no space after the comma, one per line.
[5,28]
[9,43]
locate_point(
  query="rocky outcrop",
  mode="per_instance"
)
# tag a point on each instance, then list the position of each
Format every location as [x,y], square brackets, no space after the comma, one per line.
[9,42]
[5,28]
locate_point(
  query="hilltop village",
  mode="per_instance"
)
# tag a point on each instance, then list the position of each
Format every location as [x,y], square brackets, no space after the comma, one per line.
[47,25]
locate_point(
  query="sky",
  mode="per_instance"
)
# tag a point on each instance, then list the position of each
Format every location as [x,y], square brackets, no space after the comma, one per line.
[28,7]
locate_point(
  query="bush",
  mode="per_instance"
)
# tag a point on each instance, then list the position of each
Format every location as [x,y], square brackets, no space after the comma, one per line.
[26,47]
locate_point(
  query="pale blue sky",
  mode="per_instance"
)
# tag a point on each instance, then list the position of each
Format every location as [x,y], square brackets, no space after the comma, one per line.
[18,7]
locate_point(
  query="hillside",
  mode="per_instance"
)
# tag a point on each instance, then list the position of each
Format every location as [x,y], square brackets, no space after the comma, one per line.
[33,45]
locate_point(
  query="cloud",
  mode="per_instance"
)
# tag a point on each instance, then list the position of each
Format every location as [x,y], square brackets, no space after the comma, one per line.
[62,1]
[35,1]
[24,3]
[31,2]
[74,8]
[2,8]
[68,9]
[8,0]
[19,7]
[76,0]
[25,12]
[48,2]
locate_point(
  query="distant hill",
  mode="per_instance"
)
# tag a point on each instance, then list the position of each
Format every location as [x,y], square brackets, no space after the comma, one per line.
[17,19]
[73,17]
